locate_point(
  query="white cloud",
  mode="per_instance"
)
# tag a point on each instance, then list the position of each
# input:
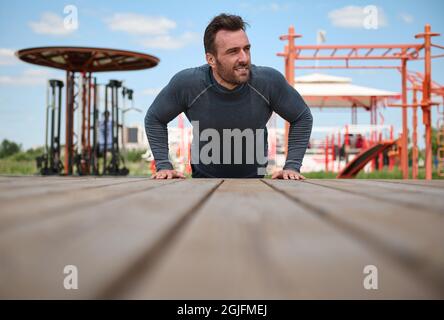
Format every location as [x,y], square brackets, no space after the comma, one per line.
[406,17]
[150,32]
[170,42]
[7,57]
[272,6]
[29,77]
[151,91]
[355,17]
[139,24]
[50,24]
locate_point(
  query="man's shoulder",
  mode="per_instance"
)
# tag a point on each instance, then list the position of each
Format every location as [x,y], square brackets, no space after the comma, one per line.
[190,77]
[266,75]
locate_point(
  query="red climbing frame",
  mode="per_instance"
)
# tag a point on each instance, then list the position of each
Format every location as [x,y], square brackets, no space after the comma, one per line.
[397,52]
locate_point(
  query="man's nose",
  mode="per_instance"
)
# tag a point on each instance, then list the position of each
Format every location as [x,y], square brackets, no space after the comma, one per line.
[243,56]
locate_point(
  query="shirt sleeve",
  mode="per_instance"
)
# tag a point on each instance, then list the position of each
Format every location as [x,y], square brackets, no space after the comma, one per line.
[289,104]
[168,104]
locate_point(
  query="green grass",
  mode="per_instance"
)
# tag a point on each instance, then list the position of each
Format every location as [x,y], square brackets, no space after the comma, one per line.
[24,164]
[383,174]
[15,167]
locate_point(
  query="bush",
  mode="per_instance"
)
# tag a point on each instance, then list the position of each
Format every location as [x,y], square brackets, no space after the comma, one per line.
[133,155]
[8,148]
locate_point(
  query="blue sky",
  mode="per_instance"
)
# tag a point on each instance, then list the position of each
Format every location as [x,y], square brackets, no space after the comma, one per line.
[173,30]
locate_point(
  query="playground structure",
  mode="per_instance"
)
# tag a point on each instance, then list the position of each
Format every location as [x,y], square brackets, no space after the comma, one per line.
[342,145]
[82,148]
[397,52]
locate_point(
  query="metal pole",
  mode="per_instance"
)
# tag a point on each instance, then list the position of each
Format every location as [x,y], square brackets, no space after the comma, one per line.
[426,102]
[95,118]
[404,154]
[105,130]
[427,119]
[88,138]
[326,153]
[415,137]
[69,122]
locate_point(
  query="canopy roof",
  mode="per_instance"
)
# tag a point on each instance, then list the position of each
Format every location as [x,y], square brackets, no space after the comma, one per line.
[85,59]
[322,90]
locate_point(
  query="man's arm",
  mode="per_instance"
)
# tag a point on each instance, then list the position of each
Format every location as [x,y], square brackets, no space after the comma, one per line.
[168,104]
[288,103]
[298,138]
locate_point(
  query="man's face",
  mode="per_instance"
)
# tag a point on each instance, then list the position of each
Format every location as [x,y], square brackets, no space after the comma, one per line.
[232,61]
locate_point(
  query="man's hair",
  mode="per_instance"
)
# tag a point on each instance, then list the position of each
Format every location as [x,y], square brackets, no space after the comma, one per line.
[221,22]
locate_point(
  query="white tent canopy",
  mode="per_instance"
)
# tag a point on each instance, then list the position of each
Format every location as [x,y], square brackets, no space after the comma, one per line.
[321,90]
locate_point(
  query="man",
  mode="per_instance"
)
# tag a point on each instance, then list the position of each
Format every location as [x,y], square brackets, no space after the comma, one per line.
[228,97]
[105,125]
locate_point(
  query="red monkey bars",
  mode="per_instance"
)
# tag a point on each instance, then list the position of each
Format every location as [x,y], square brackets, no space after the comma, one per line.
[349,53]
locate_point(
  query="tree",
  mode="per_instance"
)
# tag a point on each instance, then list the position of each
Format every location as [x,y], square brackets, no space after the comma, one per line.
[8,148]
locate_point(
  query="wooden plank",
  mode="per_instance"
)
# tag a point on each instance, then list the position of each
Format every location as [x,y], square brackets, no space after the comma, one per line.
[104,241]
[55,202]
[24,179]
[38,188]
[437,183]
[250,242]
[415,238]
[31,182]
[420,198]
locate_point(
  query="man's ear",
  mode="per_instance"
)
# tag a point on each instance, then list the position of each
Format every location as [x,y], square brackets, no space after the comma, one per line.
[211,59]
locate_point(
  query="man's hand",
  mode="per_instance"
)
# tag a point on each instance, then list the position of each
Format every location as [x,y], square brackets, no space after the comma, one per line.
[287,175]
[168,174]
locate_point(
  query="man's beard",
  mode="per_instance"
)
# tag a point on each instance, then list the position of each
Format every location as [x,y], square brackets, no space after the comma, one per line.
[229,75]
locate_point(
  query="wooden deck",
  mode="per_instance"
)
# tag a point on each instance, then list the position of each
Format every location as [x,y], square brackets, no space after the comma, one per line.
[220,239]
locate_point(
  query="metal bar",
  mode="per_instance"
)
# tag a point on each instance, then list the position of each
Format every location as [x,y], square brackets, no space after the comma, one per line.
[345,67]
[310,57]
[359,46]
[387,51]
[414,138]
[404,154]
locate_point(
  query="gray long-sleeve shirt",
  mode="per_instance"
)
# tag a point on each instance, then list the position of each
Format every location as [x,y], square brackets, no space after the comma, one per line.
[211,106]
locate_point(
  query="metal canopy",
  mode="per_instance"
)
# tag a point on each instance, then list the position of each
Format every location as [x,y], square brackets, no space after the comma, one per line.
[86,59]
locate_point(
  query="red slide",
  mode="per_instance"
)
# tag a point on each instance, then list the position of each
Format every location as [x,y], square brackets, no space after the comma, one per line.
[353,167]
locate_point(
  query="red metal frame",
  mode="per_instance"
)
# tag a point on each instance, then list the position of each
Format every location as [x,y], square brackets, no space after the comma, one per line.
[85,61]
[379,52]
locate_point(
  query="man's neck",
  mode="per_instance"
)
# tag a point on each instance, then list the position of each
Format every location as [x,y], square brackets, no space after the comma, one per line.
[222,82]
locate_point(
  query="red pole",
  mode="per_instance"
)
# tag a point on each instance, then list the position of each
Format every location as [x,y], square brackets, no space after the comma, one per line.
[326,153]
[391,160]
[181,145]
[290,57]
[426,95]
[347,143]
[381,155]
[188,165]
[414,137]
[332,148]
[339,147]
[404,142]
[426,99]
[153,167]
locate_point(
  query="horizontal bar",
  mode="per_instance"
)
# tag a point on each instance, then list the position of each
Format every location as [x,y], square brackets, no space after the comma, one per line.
[345,67]
[437,46]
[365,46]
[350,57]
